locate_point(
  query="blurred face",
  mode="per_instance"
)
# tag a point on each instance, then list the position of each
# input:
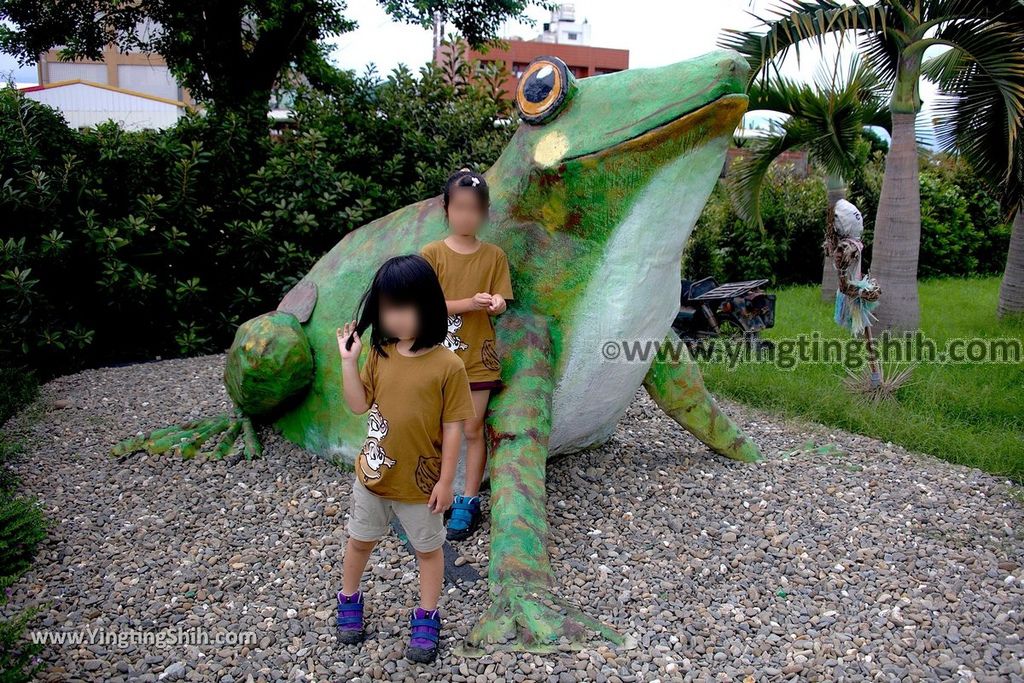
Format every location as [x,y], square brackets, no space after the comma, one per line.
[399,320]
[465,213]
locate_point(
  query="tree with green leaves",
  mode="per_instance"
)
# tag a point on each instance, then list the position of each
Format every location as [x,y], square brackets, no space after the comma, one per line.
[228,52]
[895,34]
[974,122]
[167,229]
[828,121]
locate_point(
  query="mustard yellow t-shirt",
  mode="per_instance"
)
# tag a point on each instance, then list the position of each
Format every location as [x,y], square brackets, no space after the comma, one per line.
[471,334]
[410,399]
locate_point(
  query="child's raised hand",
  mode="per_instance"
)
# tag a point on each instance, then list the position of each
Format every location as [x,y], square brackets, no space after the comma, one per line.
[498,304]
[349,344]
[481,300]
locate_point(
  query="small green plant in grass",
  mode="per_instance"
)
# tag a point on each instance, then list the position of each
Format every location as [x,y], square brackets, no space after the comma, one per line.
[20,388]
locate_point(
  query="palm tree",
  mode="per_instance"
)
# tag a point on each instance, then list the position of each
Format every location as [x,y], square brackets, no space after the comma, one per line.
[1011,290]
[975,122]
[828,120]
[895,35]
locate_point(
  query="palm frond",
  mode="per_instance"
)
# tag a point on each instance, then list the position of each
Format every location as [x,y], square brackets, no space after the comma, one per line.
[980,108]
[748,174]
[882,53]
[796,21]
[783,95]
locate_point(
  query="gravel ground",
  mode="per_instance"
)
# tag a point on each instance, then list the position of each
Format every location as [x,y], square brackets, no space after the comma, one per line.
[872,563]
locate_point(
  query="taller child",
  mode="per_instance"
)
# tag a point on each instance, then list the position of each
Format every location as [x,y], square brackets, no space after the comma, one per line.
[475,278]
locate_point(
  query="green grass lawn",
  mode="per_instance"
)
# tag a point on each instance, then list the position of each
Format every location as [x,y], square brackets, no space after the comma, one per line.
[971,414]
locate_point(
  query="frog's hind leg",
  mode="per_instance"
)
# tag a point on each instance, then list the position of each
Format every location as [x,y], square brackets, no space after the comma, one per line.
[525,612]
[268,364]
[678,389]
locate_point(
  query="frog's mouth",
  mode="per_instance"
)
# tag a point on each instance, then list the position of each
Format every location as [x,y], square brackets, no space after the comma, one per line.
[718,117]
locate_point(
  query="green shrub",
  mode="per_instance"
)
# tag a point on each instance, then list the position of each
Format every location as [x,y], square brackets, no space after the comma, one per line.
[962,230]
[19,657]
[785,250]
[129,245]
[949,240]
[22,529]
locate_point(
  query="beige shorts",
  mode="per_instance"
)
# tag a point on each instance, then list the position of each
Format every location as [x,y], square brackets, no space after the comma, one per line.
[370,516]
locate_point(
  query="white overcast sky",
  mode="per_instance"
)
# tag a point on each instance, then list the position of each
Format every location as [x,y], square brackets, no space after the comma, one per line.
[655,32]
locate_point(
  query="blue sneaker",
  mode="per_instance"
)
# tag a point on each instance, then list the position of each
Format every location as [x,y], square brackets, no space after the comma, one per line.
[464,517]
[350,618]
[423,636]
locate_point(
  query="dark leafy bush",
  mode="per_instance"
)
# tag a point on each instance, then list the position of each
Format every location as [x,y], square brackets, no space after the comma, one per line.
[19,657]
[785,250]
[118,245]
[962,230]
[22,529]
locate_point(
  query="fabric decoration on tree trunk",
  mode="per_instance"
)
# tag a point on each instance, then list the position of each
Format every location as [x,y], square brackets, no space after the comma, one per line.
[857,294]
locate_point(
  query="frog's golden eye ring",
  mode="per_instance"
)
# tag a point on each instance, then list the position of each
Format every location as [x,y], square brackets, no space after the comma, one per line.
[543,89]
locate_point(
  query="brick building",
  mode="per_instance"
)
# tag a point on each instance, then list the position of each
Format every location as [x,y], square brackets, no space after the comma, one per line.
[563,37]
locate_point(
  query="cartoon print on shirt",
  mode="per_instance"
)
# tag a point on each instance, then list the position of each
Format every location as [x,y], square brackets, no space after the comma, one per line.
[451,340]
[489,355]
[373,455]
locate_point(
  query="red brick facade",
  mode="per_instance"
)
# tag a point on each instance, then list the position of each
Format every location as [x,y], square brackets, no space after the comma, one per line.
[582,60]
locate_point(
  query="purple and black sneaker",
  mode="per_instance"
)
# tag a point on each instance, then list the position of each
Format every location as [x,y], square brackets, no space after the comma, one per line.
[426,627]
[350,618]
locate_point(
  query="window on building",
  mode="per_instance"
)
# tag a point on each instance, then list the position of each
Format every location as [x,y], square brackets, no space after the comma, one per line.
[152,80]
[71,71]
[518,68]
[573,35]
[601,70]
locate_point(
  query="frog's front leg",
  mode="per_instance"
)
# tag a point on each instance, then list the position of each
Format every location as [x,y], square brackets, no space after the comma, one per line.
[269,363]
[525,612]
[678,389]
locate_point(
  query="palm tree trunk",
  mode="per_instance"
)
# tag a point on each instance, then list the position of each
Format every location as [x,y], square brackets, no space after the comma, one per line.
[1011,291]
[836,191]
[897,238]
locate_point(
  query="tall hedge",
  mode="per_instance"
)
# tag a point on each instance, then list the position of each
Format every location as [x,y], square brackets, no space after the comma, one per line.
[119,246]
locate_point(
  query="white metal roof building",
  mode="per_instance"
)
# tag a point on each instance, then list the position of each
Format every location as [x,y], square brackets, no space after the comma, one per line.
[86,103]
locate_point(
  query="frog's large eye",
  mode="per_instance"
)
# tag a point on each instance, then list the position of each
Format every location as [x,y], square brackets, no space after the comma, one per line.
[544,87]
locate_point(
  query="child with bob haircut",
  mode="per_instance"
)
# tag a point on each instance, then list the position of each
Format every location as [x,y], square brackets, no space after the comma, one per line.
[417,394]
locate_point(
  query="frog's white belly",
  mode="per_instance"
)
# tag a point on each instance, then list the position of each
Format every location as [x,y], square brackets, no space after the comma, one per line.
[632,298]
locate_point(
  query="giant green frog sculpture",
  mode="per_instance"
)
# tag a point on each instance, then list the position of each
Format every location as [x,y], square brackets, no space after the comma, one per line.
[593,200]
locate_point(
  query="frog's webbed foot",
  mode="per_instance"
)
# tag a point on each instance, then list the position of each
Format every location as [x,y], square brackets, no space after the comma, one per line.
[223,431]
[269,364]
[534,619]
[525,613]
[678,389]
